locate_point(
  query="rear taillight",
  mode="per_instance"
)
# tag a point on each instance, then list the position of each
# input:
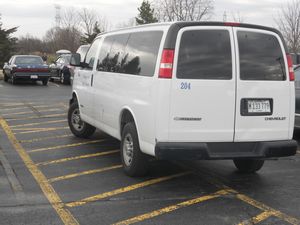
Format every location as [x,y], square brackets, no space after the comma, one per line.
[290,67]
[232,24]
[166,64]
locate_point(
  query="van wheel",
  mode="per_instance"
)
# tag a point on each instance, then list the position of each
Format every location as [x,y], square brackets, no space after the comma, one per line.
[248,165]
[135,163]
[78,127]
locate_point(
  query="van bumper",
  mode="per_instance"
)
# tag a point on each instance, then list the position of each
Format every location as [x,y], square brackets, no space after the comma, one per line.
[228,150]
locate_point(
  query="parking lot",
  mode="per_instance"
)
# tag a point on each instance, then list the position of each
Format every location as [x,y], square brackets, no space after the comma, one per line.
[51,177]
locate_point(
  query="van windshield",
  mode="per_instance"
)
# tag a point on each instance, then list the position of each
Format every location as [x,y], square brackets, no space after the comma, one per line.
[261,57]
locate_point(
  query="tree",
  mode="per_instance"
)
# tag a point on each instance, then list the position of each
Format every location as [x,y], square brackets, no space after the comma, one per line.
[183,10]
[88,38]
[288,23]
[29,44]
[7,43]
[146,14]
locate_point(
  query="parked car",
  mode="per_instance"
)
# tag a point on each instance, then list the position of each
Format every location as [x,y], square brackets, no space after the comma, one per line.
[186,91]
[82,50]
[26,67]
[61,69]
[297,94]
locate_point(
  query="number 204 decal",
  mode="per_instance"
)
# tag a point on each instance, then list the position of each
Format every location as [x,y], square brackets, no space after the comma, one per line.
[185,86]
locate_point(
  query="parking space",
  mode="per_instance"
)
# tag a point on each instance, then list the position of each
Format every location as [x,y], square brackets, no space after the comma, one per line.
[83,182]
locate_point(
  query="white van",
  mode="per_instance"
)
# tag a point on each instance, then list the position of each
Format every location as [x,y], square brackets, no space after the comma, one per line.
[186,91]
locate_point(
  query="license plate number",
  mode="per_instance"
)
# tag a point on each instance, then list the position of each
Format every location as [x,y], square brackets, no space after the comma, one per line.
[33,77]
[259,106]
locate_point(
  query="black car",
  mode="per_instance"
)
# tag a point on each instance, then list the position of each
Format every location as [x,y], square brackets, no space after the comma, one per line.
[61,69]
[26,67]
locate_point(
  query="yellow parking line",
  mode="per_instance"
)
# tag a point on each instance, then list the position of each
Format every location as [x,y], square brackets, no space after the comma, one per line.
[45,138]
[87,172]
[35,130]
[37,117]
[41,123]
[34,106]
[30,112]
[77,157]
[47,189]
[28,128]
[266,208]
[65,146]
[257,219]
[171,208]
[124,189]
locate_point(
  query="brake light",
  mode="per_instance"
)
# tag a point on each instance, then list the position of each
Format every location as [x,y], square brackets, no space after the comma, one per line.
[166,64]
[290,67]
[232,24]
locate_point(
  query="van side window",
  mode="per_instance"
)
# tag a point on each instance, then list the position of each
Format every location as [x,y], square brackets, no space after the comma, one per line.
[91,54]
[205,54]
[261,57]
[111,53]
[141,53]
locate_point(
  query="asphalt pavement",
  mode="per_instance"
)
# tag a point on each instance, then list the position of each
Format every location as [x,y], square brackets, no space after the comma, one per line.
[48,176]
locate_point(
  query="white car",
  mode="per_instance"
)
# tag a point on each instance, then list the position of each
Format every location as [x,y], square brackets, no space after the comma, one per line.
[187,91]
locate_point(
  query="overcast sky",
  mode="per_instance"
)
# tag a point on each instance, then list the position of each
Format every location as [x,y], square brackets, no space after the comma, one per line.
[36,17]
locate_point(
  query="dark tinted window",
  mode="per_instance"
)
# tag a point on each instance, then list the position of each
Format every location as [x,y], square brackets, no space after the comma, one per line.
[205,54]
[111,53]
[261,57]
[91,54]
[141,53]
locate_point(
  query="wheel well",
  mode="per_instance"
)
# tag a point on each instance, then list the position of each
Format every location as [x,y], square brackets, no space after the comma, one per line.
[125,118]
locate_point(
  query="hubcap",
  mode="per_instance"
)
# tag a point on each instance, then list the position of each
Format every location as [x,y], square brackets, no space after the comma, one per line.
[76,121]
[128,150]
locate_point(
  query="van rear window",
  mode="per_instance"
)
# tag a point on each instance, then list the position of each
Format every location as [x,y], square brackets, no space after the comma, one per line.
[205,54]
[261,57]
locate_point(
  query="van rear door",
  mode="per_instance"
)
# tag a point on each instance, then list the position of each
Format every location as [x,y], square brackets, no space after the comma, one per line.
[265,96]
[203,85]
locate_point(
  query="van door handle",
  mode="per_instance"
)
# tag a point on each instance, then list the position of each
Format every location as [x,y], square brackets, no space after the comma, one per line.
[92,80]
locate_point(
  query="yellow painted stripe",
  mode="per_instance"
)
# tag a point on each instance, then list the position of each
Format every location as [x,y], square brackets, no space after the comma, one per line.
[257,219]
[47,189]
[65,146]
[77,158]
[12,104]
[87,172]
[35,106]
[28,128]
[171,208]
[264,207]
[41,123]
[37,117]
[124,189]
[43,130]
[46,138]
[30,112]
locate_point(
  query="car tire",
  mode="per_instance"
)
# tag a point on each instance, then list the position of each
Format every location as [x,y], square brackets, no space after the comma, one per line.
[135,163]
[13,80]
[5,78]
[45,82]
[78,127]
[248,165]
[63,79]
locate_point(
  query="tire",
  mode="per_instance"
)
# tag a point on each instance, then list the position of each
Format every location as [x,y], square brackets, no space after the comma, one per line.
[13,80]
[78,127]
[135,163]
[63,79]
[45,82]
[5,78]
[248,165]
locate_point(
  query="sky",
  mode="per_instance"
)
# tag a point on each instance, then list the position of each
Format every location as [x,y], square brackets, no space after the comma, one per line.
[36,17]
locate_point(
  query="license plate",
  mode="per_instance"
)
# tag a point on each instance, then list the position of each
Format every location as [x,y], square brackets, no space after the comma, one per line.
[259,106]
[33,77]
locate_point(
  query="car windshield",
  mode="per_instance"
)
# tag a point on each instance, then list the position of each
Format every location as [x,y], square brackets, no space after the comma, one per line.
[28,60]
[68,58]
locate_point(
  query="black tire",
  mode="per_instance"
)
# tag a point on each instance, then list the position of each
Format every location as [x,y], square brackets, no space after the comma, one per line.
[13,80]
[45,82]
[86,130]
[5,78]
[139,164]
[64,79]
[248,165]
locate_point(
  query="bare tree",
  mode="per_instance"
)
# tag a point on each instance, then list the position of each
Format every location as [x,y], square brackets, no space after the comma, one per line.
[235,17]
[183,10]
[288,23]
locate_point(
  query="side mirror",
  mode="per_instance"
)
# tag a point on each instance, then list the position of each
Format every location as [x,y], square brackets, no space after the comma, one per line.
[75,60]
